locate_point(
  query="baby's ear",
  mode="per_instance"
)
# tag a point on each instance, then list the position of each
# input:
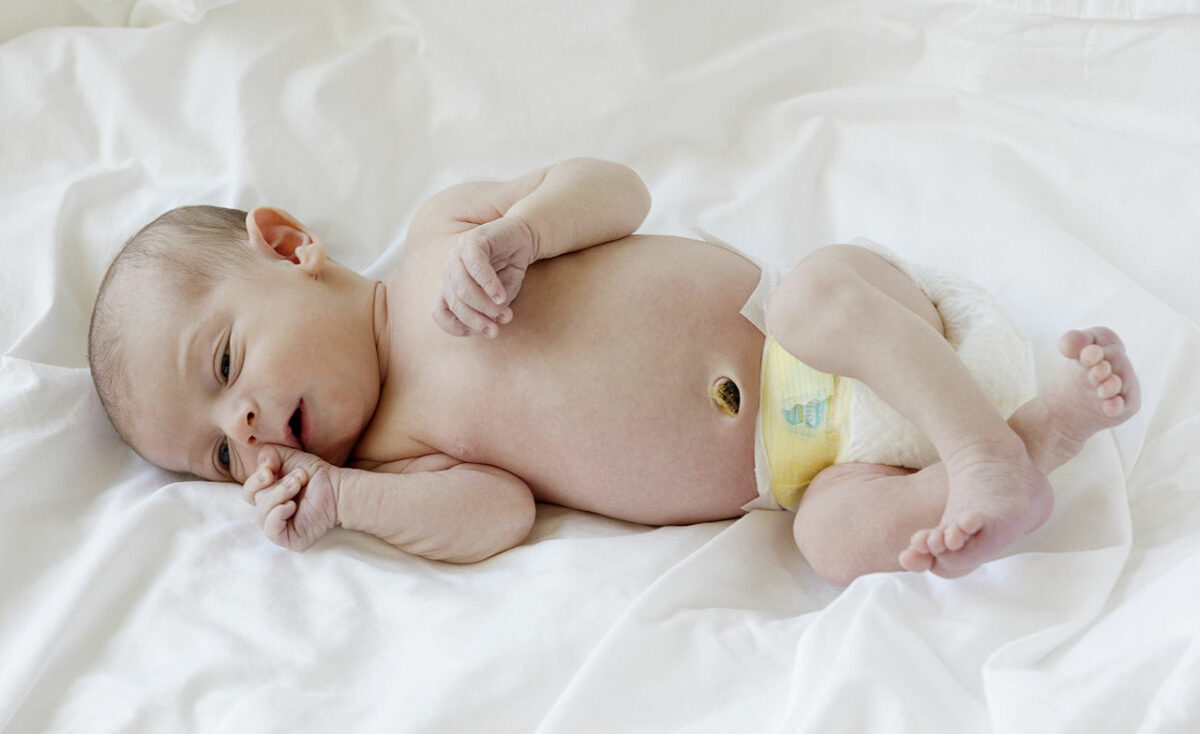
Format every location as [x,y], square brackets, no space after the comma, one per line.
[277,234]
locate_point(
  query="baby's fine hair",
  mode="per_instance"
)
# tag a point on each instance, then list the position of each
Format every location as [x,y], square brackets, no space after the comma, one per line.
[185,251]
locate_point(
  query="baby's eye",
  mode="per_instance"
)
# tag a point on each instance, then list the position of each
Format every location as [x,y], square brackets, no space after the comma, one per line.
[223,454]
[225,364]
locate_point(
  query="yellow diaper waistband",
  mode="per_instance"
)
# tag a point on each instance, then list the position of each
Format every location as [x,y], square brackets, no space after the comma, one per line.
[802,420]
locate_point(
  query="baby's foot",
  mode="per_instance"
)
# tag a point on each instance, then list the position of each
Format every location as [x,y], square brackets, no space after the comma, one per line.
[1096,390]
[996,495]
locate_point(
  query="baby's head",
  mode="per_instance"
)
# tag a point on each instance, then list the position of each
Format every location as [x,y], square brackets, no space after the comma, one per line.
[217,331]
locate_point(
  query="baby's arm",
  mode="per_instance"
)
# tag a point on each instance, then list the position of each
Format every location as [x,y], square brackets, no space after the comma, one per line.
[433,506]
[498,230]
[462,513]
[572,204]
[581,202]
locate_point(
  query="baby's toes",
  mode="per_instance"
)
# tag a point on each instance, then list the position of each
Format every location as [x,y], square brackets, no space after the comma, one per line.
[937,540]
[1072,342]
[1130,390]
[1091,355]
[920,541]
[1110,387]
[1099,372]
[955,538]
[1113,406]
[970,522]
[911,560]
[1105,337]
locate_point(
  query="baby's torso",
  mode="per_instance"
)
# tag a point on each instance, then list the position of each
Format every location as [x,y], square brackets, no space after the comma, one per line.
[597,394]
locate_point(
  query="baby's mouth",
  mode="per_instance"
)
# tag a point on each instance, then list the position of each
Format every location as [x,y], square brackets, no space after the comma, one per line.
[296,424]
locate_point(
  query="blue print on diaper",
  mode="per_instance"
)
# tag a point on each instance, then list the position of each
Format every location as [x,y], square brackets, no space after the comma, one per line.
[811,414]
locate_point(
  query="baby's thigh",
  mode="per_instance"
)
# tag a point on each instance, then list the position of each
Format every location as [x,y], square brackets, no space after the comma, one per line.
[866,269]
[856,518]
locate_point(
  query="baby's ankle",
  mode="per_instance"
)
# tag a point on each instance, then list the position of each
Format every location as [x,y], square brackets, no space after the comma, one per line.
[1002,447]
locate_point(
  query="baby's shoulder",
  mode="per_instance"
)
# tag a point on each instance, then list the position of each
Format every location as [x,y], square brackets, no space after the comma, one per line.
[420,263]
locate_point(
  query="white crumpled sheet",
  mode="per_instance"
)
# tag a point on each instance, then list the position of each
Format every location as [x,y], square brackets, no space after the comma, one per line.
[1048,149]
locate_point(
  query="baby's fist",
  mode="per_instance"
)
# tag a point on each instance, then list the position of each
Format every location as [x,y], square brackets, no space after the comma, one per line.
[481,276]
[295,495]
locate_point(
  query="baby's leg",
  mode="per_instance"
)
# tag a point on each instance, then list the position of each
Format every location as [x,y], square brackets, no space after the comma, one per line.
[855,518]
[846,311]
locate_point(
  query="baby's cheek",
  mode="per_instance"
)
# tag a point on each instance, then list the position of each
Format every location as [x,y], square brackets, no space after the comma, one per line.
[251,459]
[246,464]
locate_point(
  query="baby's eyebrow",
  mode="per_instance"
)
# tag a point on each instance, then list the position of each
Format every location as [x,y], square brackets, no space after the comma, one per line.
[185,358]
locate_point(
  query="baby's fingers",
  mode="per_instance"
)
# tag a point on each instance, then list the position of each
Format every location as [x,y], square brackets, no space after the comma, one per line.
[470,279]
[475,321]
[275,524]
[269,499]
[478,265]
[257,482]
[270,465]
[446,319]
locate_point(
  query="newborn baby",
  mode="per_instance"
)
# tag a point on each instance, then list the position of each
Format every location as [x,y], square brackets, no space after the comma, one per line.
[530,348]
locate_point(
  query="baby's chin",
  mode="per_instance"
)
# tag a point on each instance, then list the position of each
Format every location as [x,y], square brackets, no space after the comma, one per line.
[337,455]
[336,452]
[333,435]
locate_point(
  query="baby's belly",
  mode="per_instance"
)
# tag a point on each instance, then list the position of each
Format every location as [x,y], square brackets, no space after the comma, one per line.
[611,374]
[668,456]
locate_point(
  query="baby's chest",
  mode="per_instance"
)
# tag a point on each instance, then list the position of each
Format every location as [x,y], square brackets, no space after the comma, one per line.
[605,352]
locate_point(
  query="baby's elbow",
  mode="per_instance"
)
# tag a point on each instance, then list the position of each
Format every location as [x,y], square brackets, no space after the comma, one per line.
[499,540]
[632,196]
[514,524]
[504,524]
[639,195]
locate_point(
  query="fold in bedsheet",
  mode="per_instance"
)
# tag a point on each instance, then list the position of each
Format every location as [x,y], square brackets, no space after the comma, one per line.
[1048,149]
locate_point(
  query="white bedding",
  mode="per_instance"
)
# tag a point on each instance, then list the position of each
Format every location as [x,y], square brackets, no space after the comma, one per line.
[1048,149]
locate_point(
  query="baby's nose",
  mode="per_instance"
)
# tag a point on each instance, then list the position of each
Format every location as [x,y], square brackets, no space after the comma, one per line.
[250,427]
[244,426]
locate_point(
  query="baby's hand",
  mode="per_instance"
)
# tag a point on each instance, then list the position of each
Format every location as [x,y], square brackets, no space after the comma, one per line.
[482,275]
[295,494]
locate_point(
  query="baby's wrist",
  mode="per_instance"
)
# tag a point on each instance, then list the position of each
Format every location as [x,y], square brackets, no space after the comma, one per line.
[343,495]
[532,232]
[362,499]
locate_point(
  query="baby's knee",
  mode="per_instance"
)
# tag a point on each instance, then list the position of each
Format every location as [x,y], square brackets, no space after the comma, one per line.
[825,552]
[812,298]
[841,537]
[822,538]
